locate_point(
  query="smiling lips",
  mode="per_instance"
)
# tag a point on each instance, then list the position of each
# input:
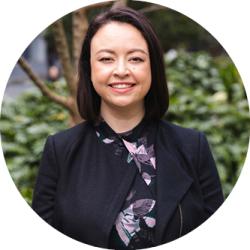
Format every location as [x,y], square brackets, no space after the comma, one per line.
[121,87]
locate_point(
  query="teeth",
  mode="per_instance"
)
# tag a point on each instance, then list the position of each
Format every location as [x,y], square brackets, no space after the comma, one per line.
[121,86]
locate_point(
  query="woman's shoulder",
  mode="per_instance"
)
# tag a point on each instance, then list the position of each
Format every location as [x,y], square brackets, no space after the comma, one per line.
[178,131]
[182,138]
[182,141]
[72,134]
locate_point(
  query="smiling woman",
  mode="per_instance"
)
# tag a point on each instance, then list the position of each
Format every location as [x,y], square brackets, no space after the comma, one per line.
[120,73]
[125,178]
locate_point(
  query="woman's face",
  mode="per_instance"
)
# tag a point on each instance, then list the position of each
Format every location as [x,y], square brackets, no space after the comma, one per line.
[120,66]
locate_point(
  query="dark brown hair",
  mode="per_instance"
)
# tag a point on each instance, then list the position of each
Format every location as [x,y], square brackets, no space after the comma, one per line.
[157,99]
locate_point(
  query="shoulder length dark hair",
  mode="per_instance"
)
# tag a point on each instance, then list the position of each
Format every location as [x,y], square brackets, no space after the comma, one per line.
[157,99]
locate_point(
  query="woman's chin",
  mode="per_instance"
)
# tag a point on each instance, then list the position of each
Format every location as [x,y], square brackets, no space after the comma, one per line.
[125,105]
[122,103]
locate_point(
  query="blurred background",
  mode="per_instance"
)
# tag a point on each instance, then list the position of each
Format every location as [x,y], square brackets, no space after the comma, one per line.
[206,91]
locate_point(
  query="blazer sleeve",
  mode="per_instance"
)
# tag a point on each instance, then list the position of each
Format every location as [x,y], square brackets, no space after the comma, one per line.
[46,183]
[208,177]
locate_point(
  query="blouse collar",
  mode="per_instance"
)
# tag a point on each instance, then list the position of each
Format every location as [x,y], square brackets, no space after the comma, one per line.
[132,135]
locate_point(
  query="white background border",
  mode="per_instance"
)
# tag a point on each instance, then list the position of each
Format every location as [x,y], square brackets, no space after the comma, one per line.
[21,21]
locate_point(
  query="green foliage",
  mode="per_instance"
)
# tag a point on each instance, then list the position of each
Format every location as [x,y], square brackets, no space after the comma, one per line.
[25,123]
[206,94]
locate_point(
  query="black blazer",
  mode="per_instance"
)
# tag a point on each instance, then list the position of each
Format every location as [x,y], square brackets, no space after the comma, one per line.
[81,199]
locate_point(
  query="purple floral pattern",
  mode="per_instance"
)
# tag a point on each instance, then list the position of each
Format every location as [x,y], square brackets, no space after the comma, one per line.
[128,220]
[136,220]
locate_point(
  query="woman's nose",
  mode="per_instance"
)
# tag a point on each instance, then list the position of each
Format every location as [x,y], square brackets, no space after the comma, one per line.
[121,69]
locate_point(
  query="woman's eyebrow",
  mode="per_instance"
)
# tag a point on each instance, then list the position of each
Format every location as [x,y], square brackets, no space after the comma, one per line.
[105,50]
[137,50]
[129,52]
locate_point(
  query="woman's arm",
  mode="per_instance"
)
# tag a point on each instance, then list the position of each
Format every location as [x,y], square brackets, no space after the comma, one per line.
[208,177]
[46,183]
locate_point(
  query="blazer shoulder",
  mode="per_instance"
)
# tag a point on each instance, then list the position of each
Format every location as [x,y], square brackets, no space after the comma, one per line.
[71,133]
[65,144]
[185,140]
[178,133]
[70,136]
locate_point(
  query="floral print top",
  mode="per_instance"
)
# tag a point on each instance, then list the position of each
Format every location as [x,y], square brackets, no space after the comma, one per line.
[134,226]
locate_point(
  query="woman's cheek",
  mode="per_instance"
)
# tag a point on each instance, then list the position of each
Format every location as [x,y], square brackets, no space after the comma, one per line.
[104,71]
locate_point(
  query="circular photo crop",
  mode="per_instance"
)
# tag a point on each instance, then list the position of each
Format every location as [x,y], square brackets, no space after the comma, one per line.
[125,125]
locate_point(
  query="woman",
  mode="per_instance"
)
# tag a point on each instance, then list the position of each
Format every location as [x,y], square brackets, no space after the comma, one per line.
[124,178]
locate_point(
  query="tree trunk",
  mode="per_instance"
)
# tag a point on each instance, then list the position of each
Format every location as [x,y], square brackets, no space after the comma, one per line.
[80,26]
[69,65]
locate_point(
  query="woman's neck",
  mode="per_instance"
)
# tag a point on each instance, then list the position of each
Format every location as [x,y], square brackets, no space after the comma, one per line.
[122,119]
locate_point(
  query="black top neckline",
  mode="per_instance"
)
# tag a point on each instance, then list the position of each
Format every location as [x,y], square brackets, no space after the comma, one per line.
[130,135]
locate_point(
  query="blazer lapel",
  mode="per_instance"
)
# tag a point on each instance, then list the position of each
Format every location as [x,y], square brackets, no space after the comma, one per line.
[120,179]
[119,195]
[112,183]
[172,182]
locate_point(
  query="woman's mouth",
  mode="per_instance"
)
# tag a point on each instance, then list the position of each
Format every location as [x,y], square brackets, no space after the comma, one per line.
[121,87]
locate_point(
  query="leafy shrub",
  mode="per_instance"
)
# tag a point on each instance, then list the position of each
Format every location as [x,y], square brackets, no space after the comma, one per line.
[25,124]
[206,94]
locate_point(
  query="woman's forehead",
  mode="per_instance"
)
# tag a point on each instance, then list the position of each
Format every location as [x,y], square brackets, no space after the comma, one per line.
[117,34]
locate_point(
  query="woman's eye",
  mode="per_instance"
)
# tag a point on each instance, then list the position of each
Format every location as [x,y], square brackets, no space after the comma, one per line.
[136,59]
[105,59]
